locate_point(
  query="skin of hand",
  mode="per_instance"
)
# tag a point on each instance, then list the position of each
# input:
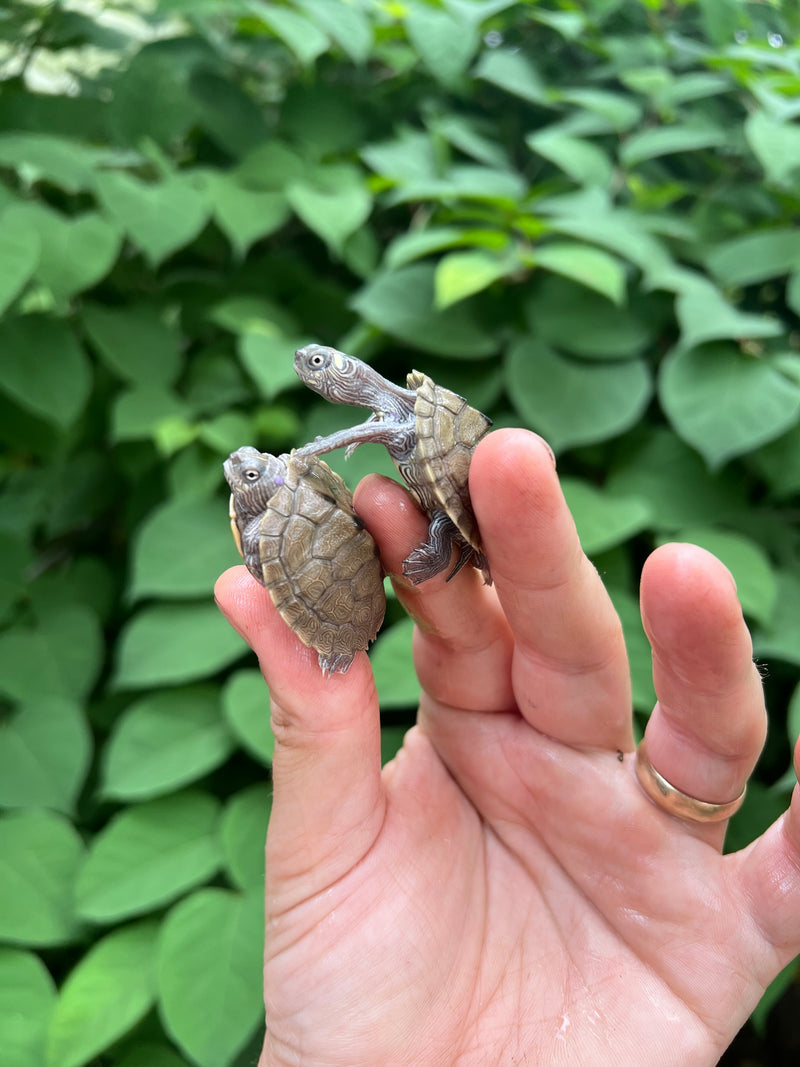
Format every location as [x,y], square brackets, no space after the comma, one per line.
[503,892]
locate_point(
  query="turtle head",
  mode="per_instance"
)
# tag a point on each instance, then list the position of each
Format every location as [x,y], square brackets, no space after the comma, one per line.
[340,378]
[253,477]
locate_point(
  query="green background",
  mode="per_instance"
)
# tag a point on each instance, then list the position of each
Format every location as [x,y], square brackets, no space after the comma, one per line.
[582,216]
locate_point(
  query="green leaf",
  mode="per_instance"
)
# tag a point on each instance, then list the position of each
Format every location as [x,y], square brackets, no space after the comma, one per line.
[172,643]
[602,520]
[393,667]
[573,403]
[104,996]
[299,34]
[345,23]
[618,110]
[414,245]
[75,253]
[150,1054]
[266,355]
[793,717]
[163,742]
[334,210]
[514,72]
[161,564]
[245,705]
[225,433]
[677,485]
[471,137]
[400,302]
[58,658]
[667,140]
[586,324]
[151,75]
[135,342]
[407,158]
[148,855]
[747,561]
[160,217]
[38,156]
[589,266]
[776,145]
[40,854]
[232,117]
[477,11]
[418,243]
[272,166]
[45,749]
[467,181]
[444,43]
[781,639]
[462,274]
[582,160]
[779,463]
[725,403]
[244,215]
[27,997]
[19,256]
[619,231]
[793,293]
[705,315]
[44,368]
[755,257]
[244,832]
[210,974]
[143,411]
[253,314]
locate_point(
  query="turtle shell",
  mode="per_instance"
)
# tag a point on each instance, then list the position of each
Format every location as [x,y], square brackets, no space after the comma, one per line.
[318,562]
[448,430]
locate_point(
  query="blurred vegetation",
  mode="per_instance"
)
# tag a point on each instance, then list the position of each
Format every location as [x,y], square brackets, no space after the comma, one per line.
[581,215]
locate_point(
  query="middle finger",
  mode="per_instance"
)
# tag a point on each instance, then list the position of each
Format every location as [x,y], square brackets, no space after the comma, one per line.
[570,670]
[550,644]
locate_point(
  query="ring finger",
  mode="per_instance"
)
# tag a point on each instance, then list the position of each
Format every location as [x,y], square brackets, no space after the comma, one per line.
[708,727]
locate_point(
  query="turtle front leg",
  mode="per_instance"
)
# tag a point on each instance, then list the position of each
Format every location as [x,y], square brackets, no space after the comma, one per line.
[396,438]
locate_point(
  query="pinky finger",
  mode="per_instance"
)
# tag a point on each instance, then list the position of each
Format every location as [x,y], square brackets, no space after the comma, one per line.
[771,878]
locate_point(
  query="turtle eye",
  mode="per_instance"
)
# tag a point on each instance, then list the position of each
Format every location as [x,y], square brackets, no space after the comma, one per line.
[251,474]
[317,360]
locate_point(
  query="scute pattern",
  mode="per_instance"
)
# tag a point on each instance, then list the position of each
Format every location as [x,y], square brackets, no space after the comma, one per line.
[447,431]
[319,563]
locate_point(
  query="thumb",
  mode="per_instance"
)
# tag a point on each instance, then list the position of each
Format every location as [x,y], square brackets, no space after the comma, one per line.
[328,802]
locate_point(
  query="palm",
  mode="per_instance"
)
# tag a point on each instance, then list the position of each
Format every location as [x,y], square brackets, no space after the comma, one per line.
[505,892]
[479,893]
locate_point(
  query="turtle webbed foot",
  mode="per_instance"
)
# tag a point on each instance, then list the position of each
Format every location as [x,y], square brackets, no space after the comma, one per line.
[433,556]
[336,661]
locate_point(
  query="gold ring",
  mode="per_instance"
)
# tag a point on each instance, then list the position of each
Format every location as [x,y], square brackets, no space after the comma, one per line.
[673,801]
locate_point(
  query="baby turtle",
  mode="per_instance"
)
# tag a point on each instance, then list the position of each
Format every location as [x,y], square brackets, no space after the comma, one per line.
[430,433]
[295,528]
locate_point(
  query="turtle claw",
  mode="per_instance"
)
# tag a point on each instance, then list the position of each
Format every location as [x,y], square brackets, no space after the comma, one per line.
[422,564]
[338,661]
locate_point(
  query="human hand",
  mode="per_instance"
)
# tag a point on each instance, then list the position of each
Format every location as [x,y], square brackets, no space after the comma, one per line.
[504,891]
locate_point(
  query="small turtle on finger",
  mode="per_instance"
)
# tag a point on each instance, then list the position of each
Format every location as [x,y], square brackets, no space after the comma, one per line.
[294,526]
[430,433]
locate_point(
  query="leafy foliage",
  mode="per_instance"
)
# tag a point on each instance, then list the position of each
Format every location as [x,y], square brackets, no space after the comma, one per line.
[581,216]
